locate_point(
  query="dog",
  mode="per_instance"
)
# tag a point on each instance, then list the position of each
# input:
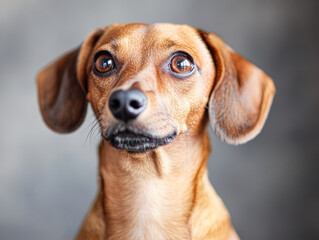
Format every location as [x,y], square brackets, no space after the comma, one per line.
[153,89]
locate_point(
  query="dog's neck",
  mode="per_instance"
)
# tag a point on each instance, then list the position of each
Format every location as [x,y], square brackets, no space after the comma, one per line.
[151,195]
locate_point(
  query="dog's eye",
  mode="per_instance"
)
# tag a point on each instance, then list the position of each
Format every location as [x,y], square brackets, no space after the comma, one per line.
[181,64]
[104,62]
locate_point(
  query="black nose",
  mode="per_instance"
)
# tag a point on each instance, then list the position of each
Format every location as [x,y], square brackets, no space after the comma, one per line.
[126,105]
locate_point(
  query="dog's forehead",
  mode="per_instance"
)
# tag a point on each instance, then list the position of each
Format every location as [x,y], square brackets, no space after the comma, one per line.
[160,35]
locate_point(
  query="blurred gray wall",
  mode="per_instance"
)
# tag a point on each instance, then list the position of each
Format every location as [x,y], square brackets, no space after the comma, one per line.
[270,185]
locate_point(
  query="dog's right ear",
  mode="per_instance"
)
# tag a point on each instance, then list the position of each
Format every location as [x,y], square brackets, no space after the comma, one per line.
[62,88]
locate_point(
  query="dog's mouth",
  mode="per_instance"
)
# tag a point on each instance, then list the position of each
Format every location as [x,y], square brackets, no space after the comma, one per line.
[134,141]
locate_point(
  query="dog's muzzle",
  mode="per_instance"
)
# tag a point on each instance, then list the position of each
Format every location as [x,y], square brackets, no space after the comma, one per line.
[126,106]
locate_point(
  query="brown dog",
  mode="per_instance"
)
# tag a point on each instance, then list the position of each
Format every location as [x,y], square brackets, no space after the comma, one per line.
[149,86]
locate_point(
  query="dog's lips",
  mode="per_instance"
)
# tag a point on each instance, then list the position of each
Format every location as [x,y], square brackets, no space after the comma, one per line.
[134,142]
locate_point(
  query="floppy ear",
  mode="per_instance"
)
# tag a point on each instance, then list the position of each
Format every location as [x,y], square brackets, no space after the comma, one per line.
[62,88]
[241,96]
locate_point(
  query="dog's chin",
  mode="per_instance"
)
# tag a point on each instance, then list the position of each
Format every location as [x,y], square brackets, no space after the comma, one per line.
[138,142]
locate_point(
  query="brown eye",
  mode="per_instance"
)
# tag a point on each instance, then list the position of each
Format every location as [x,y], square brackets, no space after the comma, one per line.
[181,64]
[104,62]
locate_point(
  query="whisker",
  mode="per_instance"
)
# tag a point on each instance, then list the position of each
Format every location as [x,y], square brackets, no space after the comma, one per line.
[94,126]
[92,122]
[92,131]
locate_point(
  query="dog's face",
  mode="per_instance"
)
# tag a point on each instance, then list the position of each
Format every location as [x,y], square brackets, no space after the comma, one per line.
[170,72]
[149,84]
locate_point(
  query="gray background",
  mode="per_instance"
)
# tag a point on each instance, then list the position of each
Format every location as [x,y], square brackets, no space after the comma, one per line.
[270,185]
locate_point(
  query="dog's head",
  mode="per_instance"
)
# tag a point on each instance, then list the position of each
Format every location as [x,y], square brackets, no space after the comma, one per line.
[148,84]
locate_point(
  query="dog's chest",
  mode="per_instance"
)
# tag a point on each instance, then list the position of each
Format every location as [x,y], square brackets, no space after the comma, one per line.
[148,213]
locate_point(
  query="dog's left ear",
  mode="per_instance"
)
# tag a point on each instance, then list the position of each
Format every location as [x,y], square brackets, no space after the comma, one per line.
[241,97]
[62,88]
